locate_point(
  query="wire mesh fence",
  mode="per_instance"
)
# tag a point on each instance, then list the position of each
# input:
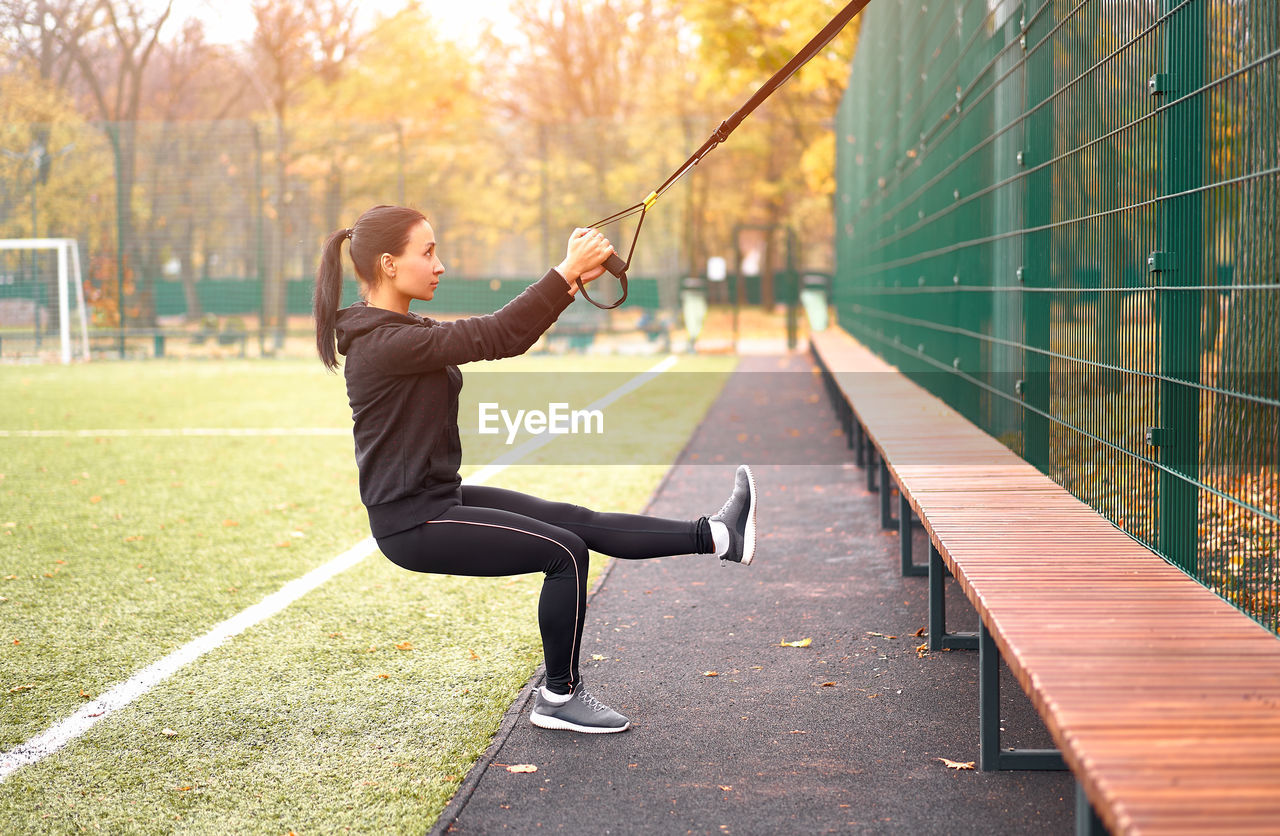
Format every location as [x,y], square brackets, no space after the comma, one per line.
[1060,218]
[210,231]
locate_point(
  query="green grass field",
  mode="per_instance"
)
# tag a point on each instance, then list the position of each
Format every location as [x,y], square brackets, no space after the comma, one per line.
[361,706]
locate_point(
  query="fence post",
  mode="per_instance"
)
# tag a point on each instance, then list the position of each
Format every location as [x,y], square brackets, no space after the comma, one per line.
[113,132]
[1180,265]
[1037,203]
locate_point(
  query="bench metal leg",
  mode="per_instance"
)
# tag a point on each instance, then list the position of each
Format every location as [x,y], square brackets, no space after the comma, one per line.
[886,488]
[994,758]
[858,440]
[872,470]
[1088,822]
[939,638]
[909,569]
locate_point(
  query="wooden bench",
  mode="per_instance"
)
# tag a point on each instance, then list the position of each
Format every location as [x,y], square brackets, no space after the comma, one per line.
[1164,700]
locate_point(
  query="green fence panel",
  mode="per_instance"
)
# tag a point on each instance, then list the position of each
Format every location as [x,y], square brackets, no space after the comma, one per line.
[243,297]
[1059,217]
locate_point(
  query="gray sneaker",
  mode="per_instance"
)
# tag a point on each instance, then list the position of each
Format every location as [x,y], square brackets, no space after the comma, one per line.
[739,516]
[582,713]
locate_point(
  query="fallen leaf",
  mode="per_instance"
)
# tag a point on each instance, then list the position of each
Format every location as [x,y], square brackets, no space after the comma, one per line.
[880,635]
[711,673]
[922,650]
[797,731]
[17,641]
[229,523]
[384,676]
[169,733]
[828,685]
[596,657]
[725,787]
[956,764]
[94,500]
[405,645]
[19,688]
[919,633]
[474,655]
[522,767]
[801,643]
[85,695]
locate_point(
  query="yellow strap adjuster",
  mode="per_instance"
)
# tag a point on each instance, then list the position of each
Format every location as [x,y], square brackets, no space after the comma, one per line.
[650,200]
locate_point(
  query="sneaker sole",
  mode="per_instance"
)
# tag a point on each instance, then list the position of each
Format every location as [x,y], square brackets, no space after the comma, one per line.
[542,721]
[749,540]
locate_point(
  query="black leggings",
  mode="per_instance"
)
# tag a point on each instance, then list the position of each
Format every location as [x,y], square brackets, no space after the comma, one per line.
[496,532]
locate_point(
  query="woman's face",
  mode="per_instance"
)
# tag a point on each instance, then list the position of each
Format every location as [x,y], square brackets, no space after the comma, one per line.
[416,272]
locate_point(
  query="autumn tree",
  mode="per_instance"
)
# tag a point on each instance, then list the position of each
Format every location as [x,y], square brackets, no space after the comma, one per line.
[788,145]
[294,42]
[408,122]
[100,49]
[194,88]
[590,91]
[34,45]
[1244,427]
[111,43]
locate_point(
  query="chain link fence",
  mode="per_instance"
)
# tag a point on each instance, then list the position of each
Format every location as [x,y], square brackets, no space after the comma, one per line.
[196,235]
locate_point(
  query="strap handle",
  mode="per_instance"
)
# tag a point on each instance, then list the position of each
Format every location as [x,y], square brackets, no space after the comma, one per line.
[615,265]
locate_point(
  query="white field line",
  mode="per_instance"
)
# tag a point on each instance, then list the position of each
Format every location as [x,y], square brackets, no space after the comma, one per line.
[190,432]
[119,696]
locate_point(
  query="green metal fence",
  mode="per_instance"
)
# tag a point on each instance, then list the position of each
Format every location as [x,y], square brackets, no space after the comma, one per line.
[164,212]
[1061,218]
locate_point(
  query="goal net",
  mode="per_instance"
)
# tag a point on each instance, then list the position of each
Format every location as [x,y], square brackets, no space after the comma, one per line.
[29,270]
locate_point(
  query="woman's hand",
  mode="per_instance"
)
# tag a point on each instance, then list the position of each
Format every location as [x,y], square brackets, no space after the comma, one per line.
[587,251]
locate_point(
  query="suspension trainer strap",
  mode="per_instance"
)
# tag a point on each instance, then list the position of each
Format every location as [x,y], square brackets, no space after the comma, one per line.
[616,265]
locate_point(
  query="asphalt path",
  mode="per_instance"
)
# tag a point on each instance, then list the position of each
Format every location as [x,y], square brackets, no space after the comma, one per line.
[735,732]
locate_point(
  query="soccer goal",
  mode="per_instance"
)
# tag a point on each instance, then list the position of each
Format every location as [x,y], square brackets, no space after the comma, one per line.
[70,284]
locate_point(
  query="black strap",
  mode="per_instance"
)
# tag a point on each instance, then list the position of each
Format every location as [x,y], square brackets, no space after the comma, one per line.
[721,134]
[617,267]
[804,56]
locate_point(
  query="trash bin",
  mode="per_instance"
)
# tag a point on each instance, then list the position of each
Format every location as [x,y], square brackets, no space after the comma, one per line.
[813,296]
[693,304]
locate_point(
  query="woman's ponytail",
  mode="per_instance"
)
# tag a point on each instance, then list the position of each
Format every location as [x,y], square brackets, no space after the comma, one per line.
[328,296]
[382,229]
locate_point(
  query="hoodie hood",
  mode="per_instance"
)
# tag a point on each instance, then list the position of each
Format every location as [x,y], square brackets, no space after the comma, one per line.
[361,318]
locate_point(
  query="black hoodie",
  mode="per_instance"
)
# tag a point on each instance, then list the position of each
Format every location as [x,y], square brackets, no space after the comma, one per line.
[403,384]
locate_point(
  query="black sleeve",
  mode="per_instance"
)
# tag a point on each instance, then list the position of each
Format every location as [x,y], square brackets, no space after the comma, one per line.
[510,331]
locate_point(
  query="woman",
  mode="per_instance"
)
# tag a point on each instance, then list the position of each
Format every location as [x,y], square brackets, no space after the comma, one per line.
[403,383]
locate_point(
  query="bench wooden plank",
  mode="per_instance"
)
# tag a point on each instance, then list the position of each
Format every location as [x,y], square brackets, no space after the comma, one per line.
[1164,699]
